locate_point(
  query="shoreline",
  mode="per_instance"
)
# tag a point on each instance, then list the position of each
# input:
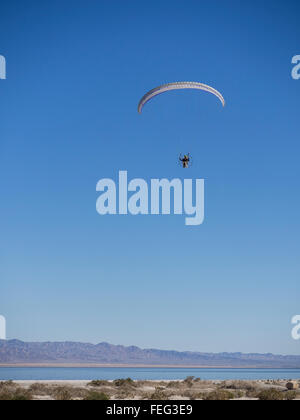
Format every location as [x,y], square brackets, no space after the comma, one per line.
[85,382]
[134,366]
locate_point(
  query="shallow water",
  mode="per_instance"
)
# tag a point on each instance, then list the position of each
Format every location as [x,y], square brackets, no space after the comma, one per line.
[89,373]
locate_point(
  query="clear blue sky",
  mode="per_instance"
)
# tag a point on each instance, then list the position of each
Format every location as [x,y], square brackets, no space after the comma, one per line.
[75,73]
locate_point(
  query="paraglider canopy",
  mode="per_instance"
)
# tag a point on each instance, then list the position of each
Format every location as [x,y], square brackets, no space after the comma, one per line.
[178,85]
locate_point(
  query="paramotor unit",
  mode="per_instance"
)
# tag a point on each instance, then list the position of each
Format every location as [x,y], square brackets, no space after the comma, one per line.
[185,161]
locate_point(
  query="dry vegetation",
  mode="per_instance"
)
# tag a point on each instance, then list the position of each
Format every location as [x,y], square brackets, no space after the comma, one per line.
[127,389]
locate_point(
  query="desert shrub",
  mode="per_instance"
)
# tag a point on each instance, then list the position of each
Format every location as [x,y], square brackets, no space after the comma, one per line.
[224,385]
[125,388]
[163,384]
[62,393]
[189,379]
[17,394]
[245,385]
[190,394]
[98,383]
[8,386]
[125,394]
[290,395]
[270,395]
[239,394]
[241,385]
[200,396]
[67,392]
[9,383]
[173,384]
[252,393]
[144,383]
[159,394]
[40,389]
[21,395]
[122,382]
[96,396]
[218,395]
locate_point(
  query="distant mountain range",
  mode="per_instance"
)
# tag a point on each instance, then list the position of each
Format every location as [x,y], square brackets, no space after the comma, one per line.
[19,352]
